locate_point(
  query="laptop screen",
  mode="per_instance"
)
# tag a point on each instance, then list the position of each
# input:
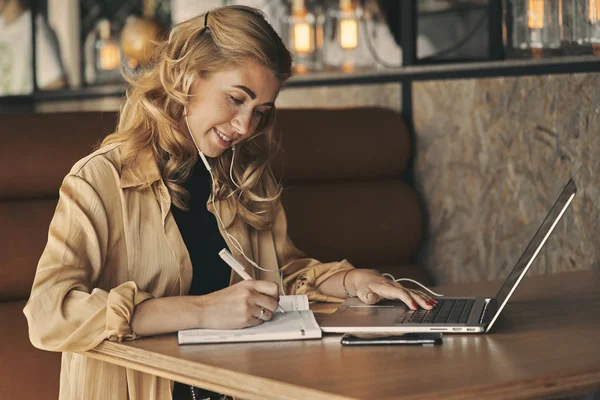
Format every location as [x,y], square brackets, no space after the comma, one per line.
[535,246]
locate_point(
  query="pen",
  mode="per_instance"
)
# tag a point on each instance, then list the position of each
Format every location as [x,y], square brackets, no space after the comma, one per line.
[238,268]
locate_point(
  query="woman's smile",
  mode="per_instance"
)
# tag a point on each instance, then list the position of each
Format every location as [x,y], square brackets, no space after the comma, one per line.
[223,140]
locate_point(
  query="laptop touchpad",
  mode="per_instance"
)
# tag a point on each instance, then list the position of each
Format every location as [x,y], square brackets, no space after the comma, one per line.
[365,314]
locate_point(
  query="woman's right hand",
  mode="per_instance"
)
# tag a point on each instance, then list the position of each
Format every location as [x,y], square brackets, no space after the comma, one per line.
[234,307]
[237,306]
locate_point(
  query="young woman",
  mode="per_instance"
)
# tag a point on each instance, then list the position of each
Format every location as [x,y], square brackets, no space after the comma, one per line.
[132,247]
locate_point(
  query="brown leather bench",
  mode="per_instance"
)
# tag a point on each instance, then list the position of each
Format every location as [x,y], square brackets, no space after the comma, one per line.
[343,197]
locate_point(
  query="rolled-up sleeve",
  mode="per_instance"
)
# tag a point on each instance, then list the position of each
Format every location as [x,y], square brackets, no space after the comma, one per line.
[302,275]
[66,311]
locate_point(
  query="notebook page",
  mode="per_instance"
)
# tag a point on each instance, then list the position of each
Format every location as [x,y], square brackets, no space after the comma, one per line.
[294,303]
[283,326]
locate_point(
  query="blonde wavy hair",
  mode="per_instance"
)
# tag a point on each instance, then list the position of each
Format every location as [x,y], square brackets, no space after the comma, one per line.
[158,95]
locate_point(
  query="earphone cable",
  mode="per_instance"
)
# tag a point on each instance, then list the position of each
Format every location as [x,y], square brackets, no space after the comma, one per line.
[231,168]
[234,242]
[413,281]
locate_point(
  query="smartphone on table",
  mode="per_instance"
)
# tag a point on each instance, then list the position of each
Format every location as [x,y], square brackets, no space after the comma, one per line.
[370,339]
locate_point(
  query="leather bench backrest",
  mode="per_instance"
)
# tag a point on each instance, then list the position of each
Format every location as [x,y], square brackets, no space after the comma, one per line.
[36,152]
[342,191]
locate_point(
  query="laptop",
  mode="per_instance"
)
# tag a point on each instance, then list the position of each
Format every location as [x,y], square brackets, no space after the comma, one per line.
[452,314]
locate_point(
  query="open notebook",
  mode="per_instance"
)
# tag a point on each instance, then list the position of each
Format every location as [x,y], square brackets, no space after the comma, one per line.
[296,323]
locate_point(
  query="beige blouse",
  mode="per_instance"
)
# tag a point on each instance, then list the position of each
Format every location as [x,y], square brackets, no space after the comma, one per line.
[114,243]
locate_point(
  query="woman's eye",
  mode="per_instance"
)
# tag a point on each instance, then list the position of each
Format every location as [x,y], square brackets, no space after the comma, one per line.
[236,100]
[239,102]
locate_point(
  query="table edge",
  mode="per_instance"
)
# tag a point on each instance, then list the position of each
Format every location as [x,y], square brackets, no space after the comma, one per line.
[205,376]
[219,379]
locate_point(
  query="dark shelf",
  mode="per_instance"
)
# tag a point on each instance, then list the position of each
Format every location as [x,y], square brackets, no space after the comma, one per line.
[466,70]
[481,69]
[89,92]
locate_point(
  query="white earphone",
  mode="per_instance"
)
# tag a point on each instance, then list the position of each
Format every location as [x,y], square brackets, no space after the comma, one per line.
[231,167]
[234,242]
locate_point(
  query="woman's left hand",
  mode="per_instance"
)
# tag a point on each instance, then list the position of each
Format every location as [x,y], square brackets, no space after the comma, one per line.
[371,287]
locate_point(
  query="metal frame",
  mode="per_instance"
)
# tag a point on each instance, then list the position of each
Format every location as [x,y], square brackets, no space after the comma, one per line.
[408,26]
[495,40]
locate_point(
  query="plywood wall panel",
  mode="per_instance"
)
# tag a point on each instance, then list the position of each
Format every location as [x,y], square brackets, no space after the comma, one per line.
[492,156]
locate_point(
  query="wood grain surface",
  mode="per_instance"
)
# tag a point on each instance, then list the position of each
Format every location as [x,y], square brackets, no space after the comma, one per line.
[544,344]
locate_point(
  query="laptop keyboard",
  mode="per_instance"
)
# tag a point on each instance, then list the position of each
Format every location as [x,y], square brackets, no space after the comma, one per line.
[447,311]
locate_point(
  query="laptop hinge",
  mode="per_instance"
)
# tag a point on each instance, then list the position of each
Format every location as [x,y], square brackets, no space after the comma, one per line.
[490,304]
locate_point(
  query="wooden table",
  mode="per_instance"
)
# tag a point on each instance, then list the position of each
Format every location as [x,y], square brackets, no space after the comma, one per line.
[545,344]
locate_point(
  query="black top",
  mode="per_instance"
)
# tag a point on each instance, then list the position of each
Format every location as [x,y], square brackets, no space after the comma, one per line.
[201,235]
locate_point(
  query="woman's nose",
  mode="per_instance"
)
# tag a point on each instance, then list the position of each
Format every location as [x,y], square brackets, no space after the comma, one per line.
[241,123]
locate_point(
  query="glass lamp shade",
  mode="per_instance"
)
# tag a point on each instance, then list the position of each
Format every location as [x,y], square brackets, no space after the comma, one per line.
[345,46]
[302,31]
[586,23]
[103,55]
[537,24]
